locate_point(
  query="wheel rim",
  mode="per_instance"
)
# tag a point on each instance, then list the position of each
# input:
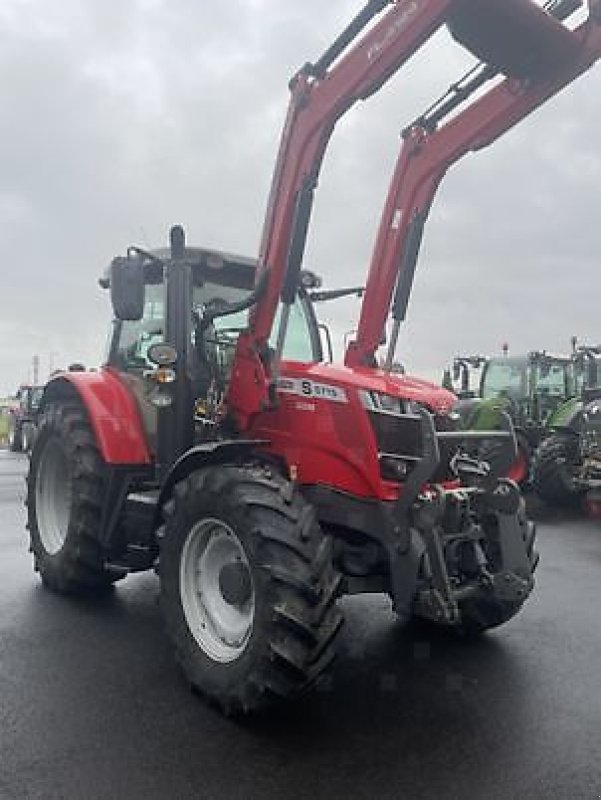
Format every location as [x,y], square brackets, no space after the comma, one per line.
[53,497]
[216,590]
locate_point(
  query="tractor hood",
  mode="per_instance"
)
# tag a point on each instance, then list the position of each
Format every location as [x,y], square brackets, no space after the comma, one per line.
[433,397]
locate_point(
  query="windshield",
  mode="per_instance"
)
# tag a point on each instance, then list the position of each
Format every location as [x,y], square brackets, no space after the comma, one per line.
[136,337]
[298,345]
[551,380]
[504,377]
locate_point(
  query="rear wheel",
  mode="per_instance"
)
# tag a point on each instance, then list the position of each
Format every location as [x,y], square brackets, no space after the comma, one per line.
[27,438]
[14,438]
[65,497]
[553,470]
[247,585]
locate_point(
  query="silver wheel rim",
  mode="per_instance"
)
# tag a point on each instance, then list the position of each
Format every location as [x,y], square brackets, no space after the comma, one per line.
[53,497]
[221,628]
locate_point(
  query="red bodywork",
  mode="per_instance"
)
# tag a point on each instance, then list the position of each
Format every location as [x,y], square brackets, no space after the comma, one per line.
[329,440]
[113,412]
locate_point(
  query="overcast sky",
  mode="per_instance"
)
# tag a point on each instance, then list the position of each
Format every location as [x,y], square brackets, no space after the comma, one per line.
[123,117]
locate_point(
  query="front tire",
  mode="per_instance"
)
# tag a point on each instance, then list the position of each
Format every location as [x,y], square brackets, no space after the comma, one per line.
[247,587]
[65,499]
[553,470]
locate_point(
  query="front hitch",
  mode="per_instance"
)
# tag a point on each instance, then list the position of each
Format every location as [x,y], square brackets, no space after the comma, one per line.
[463,542]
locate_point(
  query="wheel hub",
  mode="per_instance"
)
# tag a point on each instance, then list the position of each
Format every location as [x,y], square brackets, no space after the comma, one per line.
[235,584]
[216,590]
[53,496]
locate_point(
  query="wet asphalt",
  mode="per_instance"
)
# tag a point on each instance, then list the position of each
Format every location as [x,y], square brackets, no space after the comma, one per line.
[92,704]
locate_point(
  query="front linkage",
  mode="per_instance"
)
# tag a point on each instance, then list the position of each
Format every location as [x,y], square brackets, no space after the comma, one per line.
[462,556]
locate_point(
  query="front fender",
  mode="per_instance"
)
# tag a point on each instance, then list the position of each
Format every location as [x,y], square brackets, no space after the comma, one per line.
[206,454]
[567,416]
[111,409]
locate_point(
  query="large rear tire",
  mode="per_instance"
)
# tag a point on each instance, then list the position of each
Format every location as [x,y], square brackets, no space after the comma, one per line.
[27,437]
[553,470]
[14,438]
[248,588]
[65,500]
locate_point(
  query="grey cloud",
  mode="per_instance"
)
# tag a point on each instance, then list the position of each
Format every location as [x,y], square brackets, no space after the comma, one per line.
[122,118]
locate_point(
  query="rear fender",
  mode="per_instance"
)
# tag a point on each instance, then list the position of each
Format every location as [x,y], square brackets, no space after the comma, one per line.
[228,451]
[111,409]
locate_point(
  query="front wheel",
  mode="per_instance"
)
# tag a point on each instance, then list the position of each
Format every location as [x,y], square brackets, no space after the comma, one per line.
[553,470]
[248,587]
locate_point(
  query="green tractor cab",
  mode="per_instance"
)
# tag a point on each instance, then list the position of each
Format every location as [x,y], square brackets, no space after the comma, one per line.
[531,388]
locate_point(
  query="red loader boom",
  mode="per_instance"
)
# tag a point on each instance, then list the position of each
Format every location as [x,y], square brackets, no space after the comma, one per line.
[535,50]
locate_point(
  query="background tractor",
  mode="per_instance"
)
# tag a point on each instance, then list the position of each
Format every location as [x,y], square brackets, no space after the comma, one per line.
[261,483]
[530,389]
[22,417]
[567,464]
[464,377]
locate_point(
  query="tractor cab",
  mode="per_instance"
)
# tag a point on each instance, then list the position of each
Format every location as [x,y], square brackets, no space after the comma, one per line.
[465,370]
[587,370]
[211,292]
[532,386]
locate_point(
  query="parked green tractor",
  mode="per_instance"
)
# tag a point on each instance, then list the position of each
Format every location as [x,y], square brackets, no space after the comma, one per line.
[567,464]
[530,388]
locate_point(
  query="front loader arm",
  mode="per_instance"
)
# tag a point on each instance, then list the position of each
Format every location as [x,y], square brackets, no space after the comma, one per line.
[426,154]
[320,95]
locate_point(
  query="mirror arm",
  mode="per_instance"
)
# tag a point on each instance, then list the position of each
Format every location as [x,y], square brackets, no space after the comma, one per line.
[232,308]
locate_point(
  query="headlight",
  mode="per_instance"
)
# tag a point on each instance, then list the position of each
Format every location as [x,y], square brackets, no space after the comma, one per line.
[383,403]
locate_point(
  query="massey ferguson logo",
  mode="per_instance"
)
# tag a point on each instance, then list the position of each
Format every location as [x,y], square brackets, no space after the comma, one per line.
[310,389]
[397,27]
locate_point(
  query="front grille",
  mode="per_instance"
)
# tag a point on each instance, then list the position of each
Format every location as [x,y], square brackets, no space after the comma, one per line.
[399,437]
[397,434]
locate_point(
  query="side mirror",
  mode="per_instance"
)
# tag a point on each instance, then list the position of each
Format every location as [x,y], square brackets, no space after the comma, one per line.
[456,371]
[127,288]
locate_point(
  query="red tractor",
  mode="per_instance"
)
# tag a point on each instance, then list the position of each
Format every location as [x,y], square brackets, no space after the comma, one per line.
[260,482]
[22,417]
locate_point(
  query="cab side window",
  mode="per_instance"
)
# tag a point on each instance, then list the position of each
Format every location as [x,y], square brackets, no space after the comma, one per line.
[136,337]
